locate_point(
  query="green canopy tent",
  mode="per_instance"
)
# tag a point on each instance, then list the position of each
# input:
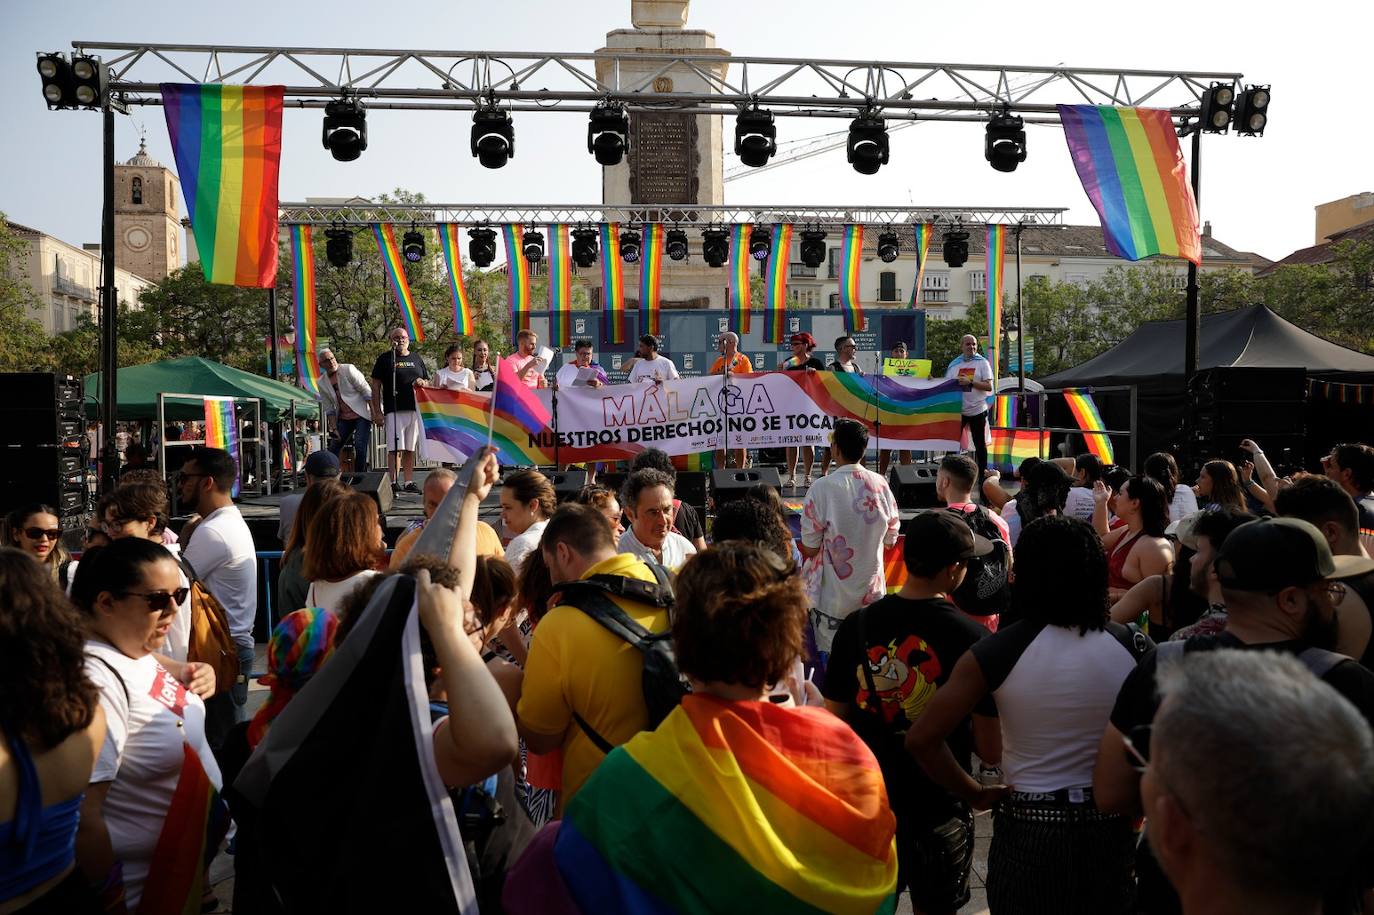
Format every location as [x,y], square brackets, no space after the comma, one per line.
[139,386]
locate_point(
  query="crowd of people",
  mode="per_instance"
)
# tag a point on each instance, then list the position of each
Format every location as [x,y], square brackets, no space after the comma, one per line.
[633,709]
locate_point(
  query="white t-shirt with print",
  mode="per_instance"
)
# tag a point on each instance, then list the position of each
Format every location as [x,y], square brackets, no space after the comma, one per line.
[1080,504]
[975,401]
[222,553]
[659,368]
[523,544]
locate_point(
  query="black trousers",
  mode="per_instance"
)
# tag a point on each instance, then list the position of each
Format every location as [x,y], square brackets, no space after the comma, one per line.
[978,431]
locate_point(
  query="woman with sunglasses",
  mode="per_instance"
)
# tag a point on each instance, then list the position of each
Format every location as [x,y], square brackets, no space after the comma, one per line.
[34,529]
[140,510]
[128,593]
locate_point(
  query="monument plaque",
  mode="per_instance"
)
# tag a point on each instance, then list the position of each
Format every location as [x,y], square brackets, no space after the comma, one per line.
[663,158]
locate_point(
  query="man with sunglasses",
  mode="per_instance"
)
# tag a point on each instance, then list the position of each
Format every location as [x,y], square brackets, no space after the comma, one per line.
[1281,586]
[347,406]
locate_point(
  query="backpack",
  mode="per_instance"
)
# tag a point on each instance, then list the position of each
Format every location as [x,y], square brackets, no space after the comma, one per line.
[210,641]
[986,589]
[661,682]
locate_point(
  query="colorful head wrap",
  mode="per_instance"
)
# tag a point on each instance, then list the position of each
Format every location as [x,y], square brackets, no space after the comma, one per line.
[300,643]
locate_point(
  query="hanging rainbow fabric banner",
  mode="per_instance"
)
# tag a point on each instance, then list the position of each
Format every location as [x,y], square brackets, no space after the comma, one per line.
[453,262]
[227,144]
[1085,414]
[851,252]
[650,277]
[923,232]
[222,430]
[560,285]
[385,233]
[775,287]
[1133,172]
[303,296]
[613,282]
[518,274]
[997,240]
[1004,410]
[739,277]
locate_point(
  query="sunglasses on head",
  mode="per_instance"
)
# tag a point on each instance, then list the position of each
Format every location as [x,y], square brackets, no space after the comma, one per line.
[36,533]
[158,600]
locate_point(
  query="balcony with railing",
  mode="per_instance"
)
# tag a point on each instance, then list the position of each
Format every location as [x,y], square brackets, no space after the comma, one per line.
[888,294]
[64,286]
[802,271]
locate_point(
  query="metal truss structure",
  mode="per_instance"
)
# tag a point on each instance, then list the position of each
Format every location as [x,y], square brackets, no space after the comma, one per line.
[537,80]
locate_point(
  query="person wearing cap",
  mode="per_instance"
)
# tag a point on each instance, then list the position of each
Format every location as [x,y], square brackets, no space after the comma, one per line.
[736,363]
[1050,679]
[647,365]
[321,465]
[1280,585]
[974,374]
[888,660]
[801,360]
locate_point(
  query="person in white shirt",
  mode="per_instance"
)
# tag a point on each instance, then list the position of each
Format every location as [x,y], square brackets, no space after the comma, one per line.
[527,503]
[582,361]
[647,365]
[453,376]
[648,500]
[1087,470]
[219,548]
[483,369]
[974,373]
[347,400]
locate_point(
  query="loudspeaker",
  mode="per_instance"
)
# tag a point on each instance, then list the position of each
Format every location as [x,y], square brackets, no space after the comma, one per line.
[567,483]
[376,483]
[691,488]
[1233,403]
[45,447]
[914,484]
[728,485]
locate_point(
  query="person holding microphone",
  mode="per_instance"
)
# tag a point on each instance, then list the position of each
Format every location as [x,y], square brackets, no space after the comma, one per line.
[736,363]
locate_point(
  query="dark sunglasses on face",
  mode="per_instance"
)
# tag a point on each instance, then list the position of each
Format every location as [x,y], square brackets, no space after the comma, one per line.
[158,600]
[35,533]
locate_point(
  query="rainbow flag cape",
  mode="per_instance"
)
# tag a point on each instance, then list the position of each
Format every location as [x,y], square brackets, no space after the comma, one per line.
[1007,448]
[560,285]
[909,411]
[1133,172]
[1084,411]
[775,285]
[851,252]
[924,231]
[303,297]
[222,429]
[196,822]
[227,144]
[738,304]
[453,262]
[650,277]
[518,274]
[393,267]
[613,282]
[997,238]
[733,805]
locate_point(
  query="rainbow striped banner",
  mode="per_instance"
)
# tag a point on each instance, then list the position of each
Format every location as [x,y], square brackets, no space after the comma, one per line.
[851,252]
[910,411]
[1084,410]
[1004,410]
[775,288]
[227,144]
[453,262]
[303,296]
[1133,171]
[613,282]
[650,277]
[393,267]
[222,430]
[739,277]
[560,285]
[923,232]
[1007,448]
[196,821]
[993,280]
[518,276]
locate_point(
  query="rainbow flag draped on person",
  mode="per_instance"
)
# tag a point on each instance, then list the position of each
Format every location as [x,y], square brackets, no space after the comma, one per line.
[1085,414]
[196,821]
[729,805]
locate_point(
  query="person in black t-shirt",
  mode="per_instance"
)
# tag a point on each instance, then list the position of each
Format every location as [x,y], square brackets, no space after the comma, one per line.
[403,432]
[888,659]
[801,360]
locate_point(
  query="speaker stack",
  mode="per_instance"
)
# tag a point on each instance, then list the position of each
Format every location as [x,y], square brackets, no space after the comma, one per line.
[729,484]
[913,485]
[45,445]
[1229,404]
[374,483]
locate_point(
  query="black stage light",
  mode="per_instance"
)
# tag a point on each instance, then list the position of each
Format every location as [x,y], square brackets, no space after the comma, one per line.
[813,248]
[1252,111]
[629,246]
[608,133]
[756,137]
[88,81]
[867,147]
[1217,101]
[482,246]
[413,245]
[888,247]
[760,243]
[345,129]
[56,74]
[338,246]
[493,136]
[1006,142]
[956,247]
[715,246]
[675,243]
[584,246]
[533,246]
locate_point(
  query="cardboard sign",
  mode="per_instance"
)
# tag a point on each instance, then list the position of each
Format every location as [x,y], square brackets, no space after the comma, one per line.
[911,368]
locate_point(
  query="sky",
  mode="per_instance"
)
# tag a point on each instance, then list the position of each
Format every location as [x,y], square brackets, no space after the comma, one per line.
[1258,193]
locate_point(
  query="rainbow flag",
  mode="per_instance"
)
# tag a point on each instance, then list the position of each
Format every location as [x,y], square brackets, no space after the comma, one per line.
[997,240]
[393,267]
[518,274]
[739,277]
[458,419]
[1084,411]
[775,287]
[851,252]
[453,261]
[732,805]
[227,144]
[222,429]
[613,282]
[516,401]
[910,410]
[1133,172]
[701,461]
[894,565]
[560,285]
[303,296]
[196,822]
[924,231]
[1004,410]
[1007,448]
[650,277]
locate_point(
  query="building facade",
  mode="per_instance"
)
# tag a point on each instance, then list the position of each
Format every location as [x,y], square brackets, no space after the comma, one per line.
[1338,216]
[65,279]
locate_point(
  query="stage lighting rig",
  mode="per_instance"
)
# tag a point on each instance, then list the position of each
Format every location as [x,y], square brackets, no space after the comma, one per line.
[533,246]
[629,246]
[493,135]
[888,246]
[1252,111]
[756,137]
[956,247]
[56,75]
[78,84]
[584,246]
[345,129]
[482,246]
[675,243]
[88,80]
[1217,102]
[608,133]
[413,245]
[867,148]
[812,248]
[338,246]
[1006,142]
[760,243]
[715,246]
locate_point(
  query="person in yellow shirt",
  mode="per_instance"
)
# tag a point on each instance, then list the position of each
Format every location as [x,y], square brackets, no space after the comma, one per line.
[576,667]
[739,364]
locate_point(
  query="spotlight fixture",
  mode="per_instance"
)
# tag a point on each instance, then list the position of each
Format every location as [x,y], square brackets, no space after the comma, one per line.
[1252,111]
[956,247]
[675,243]
[584,246]
[888,246]
[715,246]
[56,74]
[344,132]
[493,135]
[1216,107]
[1006,142]
[608,133]
[533,246]
[867,148]
[338,246]
[813,248]
[482,246]
[756,137]
[629,247]
[760,243]
[413,245]
[88,80]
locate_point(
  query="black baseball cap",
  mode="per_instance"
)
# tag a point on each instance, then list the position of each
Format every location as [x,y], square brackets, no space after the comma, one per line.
[943,537]
[322,464]
[1271,554]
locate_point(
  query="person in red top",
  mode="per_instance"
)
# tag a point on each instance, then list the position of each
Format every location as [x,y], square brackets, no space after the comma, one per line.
[1138,549]
[739,364]
[528,367]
